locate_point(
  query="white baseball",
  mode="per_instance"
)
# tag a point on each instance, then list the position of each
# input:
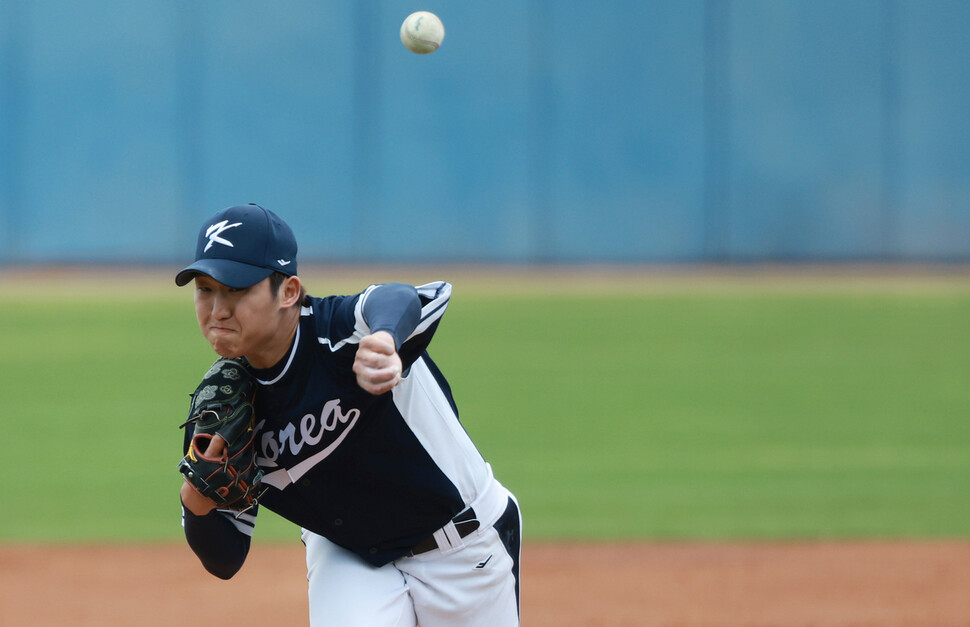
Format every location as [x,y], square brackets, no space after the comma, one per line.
[422,32]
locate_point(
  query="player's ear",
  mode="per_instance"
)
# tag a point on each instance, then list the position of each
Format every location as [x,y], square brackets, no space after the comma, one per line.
[291,291]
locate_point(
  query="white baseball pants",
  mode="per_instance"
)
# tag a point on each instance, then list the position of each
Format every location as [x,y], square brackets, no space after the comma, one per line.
[474,583]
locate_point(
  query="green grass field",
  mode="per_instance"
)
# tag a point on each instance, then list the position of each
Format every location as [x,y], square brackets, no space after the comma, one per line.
[700,410]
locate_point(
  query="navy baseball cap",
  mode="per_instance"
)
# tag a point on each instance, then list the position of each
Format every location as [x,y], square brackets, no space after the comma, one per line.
[240,246]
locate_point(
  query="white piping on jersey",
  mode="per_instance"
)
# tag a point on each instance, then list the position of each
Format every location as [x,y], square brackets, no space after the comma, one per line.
[353,339]
[434,309]
[360,330]
[359,307]
[289,360]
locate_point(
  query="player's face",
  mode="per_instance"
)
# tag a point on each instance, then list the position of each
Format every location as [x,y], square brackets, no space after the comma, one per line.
[239,322]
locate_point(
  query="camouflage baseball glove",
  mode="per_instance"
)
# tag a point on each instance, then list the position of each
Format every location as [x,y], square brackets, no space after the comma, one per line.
[223,405]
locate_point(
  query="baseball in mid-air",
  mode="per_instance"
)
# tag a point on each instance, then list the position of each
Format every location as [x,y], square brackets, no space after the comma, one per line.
[422,32]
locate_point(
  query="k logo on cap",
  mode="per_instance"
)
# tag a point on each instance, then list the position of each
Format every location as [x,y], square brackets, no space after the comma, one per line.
[214,233]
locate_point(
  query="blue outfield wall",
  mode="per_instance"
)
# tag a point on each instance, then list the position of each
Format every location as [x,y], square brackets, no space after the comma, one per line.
[627,131]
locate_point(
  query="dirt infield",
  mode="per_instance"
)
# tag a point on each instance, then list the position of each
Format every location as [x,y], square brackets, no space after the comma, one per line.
[711,585]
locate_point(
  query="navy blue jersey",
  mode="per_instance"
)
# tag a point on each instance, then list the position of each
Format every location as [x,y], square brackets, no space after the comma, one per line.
[374,474]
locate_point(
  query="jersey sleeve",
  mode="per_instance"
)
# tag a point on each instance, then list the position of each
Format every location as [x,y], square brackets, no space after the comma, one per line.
[409,314]
[219,539]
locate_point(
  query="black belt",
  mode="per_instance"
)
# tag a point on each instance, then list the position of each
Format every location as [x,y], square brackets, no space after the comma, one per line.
[465,523]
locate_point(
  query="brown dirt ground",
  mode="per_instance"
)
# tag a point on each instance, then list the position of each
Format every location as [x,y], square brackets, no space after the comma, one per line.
[770,584]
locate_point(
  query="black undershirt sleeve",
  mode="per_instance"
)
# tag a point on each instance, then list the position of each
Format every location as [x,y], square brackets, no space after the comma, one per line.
[217,543]
[395,308]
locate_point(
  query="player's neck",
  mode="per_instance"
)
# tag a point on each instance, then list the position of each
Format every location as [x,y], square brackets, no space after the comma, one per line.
[279,344]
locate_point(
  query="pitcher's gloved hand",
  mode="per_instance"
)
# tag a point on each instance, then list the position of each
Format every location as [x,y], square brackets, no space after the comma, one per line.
[222,406]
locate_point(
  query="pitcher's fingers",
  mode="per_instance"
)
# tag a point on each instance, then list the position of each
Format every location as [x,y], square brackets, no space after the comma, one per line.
[216,445]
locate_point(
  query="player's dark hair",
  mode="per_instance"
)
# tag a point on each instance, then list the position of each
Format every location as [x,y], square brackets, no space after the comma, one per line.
[276,280]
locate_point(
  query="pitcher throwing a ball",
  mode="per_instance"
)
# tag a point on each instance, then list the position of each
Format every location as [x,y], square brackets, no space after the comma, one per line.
[357,440]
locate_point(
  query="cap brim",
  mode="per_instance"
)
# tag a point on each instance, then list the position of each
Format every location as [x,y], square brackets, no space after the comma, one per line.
[226,271]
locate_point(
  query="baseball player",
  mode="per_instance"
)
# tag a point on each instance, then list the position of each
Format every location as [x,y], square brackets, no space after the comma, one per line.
[358,438]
